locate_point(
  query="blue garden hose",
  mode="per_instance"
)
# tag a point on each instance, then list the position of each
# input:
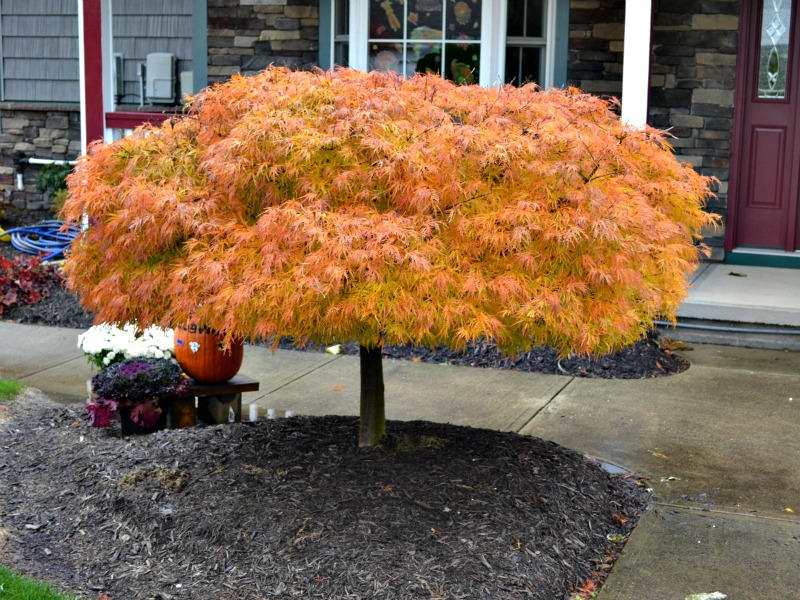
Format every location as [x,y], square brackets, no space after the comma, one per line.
[45,238]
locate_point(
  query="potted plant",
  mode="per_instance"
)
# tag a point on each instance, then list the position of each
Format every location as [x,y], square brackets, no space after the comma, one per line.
[134,390]
[106,344]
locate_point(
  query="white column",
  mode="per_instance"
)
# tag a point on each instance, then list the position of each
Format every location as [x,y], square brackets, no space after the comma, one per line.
[636,61]
[108,81]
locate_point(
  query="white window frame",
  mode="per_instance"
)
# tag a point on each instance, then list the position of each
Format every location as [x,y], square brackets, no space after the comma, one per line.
[546,42]
[493,40]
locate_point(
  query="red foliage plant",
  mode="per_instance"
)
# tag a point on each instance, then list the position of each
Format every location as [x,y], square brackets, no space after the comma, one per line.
[25,280]
[345,205]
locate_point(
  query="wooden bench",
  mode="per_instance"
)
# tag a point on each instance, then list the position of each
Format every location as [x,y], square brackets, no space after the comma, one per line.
[211,403]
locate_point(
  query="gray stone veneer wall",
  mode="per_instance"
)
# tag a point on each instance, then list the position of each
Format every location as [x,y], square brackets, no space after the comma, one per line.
[692,77]
[34,130]
[246,36]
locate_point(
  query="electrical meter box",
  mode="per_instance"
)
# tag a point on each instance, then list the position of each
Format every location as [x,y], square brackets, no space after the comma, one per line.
[161,78]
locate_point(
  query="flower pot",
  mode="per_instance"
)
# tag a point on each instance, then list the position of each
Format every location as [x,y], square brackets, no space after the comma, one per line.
[200,353]
[131,427]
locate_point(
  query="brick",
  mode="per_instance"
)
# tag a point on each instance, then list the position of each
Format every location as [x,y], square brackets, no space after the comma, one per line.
[601,86]
[244,41]
[11,123]
[259,63]
[286,24]
[719,22]
[718,97]
[671,97]
[302,12]
[716,59]
[59,149]
[57,122]
[609,31]
[294,46]
[273,34]
[687,121]
[264,2]
[268,10]
[229,60]
[712,110]
[222,71]
[710,134]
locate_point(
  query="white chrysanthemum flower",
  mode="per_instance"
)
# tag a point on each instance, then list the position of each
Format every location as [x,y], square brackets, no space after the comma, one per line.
[106,344]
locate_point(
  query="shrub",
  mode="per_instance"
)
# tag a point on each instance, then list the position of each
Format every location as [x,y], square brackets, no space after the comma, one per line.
[25,279]
[362,206]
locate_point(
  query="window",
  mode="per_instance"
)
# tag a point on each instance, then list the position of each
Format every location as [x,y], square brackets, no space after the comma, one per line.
[527,32]
[467,41]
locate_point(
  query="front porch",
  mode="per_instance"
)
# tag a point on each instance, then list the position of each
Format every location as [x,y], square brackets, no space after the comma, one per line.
[740,305]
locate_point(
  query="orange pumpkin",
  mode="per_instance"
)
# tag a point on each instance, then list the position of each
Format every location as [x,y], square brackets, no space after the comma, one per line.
[201,354]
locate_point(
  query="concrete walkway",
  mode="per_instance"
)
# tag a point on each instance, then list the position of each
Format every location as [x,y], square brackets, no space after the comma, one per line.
[718,443]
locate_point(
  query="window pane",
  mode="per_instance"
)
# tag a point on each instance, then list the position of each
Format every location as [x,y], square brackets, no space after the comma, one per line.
[425,58]
[342,26]
[341,54]
[386,19]
[523,65]
[386,57]
[463,20]
[437,36]
[775,28]
[462,62]
[526,18]
[425,14]
[534,18]
[516,19]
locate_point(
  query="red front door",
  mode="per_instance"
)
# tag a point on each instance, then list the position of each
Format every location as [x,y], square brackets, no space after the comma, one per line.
[765,176]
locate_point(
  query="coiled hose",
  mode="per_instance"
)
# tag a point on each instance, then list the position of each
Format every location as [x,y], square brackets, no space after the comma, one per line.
[45,239]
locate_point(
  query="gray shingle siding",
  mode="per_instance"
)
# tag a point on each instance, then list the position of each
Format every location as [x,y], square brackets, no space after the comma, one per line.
[39,50]
[141,27]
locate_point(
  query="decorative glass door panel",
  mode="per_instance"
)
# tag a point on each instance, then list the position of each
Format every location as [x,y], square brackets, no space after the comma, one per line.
[437,36]
[773,64]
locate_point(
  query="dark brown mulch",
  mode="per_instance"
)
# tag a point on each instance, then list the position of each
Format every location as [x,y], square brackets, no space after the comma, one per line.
[292,508]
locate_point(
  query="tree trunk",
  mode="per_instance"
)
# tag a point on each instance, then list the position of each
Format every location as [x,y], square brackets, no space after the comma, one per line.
[372,427]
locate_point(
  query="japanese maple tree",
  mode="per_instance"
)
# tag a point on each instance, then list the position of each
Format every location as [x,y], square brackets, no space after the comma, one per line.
[345,205]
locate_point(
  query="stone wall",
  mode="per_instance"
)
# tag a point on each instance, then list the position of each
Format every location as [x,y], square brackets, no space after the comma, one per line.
[692,77]
[246,36]
[692,83]
[34,130]
[596,33]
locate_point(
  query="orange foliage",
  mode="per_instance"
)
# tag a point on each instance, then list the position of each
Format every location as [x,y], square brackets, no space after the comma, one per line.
[363,206]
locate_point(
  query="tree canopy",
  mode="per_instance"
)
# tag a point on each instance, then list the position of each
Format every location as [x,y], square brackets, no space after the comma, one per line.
[345,205]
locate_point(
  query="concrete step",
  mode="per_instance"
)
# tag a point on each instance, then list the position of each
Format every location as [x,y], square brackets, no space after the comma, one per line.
[756,307]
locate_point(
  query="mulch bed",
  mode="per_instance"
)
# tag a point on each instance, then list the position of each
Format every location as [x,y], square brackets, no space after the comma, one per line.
[293,508]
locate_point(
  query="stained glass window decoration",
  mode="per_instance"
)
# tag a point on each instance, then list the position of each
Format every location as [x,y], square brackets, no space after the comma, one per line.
[439,36]
[776,18]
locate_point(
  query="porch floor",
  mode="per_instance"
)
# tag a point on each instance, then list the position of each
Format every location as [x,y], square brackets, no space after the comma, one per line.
[742,306]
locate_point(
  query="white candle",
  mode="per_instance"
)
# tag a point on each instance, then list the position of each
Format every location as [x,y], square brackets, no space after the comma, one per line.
[253,412]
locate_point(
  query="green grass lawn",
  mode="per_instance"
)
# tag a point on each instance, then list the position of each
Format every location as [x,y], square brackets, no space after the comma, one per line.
[9,389]
[16,587]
